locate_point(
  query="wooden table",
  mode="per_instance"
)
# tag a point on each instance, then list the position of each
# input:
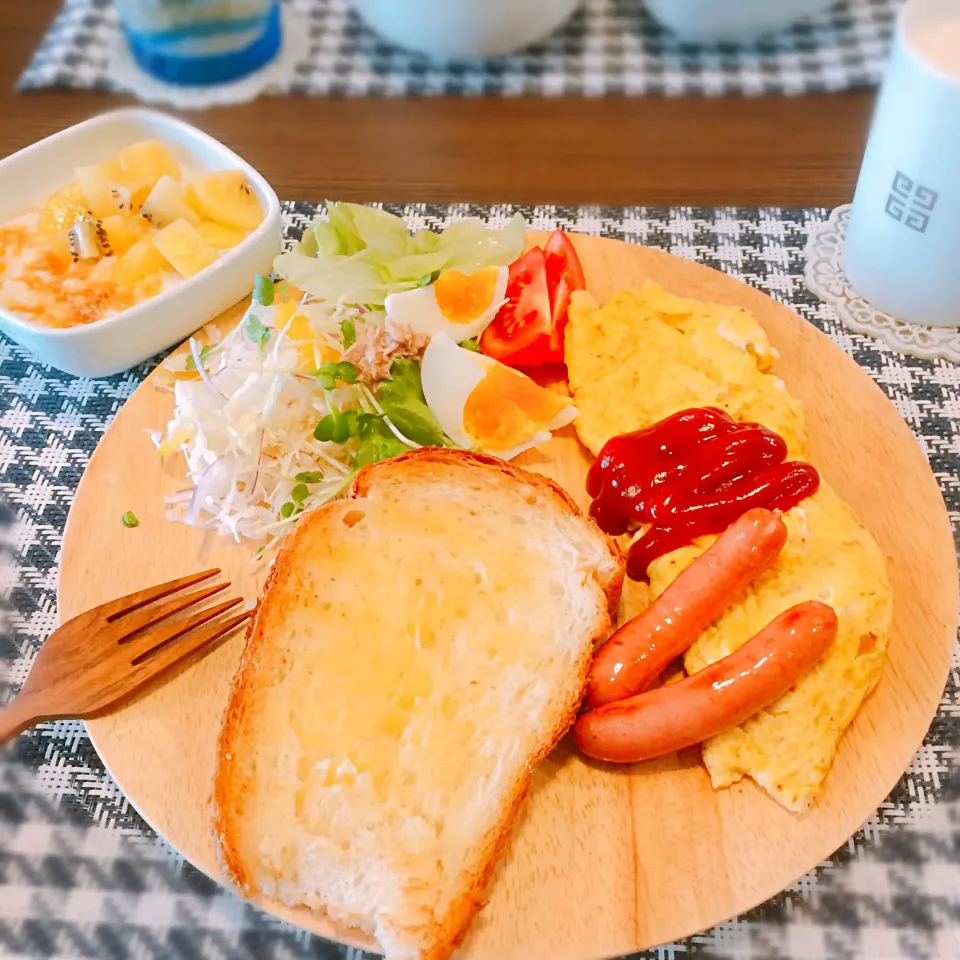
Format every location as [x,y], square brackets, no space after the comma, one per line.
[778,151]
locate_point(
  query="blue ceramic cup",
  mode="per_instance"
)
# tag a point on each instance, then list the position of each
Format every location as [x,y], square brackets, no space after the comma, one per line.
[201,42]
[902,250]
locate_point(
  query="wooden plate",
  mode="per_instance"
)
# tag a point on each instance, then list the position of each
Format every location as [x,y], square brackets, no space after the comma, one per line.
[602,862]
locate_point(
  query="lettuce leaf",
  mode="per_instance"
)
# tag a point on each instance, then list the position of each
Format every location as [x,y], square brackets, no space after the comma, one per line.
[401,398]
[377,230]
[360,255]
[376,440]
[472,245]
[339,279]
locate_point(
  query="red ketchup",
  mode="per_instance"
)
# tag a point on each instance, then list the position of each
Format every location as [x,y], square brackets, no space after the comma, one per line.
[690,475]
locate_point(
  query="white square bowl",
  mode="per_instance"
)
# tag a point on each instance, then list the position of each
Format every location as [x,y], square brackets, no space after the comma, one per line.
[116,343]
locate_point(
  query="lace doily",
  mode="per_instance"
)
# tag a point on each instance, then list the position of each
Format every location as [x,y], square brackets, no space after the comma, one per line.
[275,77]
[825,277]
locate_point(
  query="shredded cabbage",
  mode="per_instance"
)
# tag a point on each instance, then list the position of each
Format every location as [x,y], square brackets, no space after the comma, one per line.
[359,255]
[246,428]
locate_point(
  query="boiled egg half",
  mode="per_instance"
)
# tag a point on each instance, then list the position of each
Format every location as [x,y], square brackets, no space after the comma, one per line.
[460,305]
[484,404]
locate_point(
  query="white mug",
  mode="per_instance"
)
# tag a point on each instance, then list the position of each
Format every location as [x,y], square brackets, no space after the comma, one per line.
[902,249]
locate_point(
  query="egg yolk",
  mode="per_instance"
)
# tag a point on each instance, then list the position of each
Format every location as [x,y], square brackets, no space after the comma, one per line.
[506,409]
[463,297]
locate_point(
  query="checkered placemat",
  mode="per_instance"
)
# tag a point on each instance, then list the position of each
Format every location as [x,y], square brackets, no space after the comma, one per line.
[609,48]
[72,887]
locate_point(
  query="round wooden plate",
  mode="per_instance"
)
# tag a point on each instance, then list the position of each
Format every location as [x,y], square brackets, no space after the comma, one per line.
[602,861]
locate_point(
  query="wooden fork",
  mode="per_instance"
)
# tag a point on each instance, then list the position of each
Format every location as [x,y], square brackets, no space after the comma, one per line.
[106,653]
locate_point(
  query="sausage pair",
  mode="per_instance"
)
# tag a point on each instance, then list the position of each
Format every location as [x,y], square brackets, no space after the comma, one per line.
[625,724]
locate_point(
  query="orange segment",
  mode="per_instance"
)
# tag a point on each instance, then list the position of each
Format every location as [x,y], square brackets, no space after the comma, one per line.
[289,293]
[328,353]
[311,354]
[280,319]
[62,209]
[506,409]
[463,297]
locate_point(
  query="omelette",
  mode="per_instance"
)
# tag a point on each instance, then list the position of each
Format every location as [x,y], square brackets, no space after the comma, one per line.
[647,354]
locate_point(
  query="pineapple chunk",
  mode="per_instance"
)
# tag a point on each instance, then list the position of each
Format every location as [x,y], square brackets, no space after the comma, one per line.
[62,210]
[166,204]
[184,249]
[122,231]
[103,197]
[141,163]
[225,197]
[139,262]
[223,238]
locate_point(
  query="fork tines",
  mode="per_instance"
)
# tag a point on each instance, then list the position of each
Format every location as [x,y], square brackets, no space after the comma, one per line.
[134,621]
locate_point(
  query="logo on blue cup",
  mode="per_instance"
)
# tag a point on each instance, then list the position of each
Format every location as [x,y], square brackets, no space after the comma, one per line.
[911,203]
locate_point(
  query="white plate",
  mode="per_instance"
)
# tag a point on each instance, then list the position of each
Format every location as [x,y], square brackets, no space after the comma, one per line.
[108,346]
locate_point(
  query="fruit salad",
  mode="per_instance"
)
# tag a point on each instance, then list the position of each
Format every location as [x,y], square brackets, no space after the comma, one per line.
[121,232]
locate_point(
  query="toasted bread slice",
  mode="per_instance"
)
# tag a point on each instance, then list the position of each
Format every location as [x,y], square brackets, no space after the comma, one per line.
[420,646]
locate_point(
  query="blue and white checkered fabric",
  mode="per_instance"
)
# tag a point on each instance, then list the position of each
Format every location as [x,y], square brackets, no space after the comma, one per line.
[81,875]
[609,48]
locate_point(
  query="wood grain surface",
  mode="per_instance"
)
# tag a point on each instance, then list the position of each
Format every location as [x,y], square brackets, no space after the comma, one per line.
[779,151]
[604,860]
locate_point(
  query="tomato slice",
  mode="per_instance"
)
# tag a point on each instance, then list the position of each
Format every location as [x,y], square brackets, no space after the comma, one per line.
[528,330]
[564,275]
[520,332]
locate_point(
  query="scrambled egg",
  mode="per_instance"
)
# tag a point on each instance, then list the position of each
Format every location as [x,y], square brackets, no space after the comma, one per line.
[789,747]
[648,354]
